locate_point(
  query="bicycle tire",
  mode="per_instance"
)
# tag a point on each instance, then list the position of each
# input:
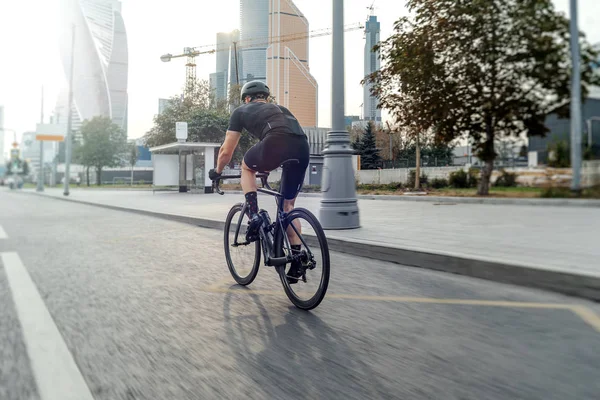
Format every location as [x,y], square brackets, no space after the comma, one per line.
[322,242]
[242,280]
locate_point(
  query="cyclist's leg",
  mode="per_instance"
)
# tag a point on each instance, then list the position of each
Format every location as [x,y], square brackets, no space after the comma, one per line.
[264,156]
[292,180]
[248,180]
[251,164]
[288,205]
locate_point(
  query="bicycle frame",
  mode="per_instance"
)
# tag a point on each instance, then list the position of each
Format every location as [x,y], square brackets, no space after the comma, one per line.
[270,245]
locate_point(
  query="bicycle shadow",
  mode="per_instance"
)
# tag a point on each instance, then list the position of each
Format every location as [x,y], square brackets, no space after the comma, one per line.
[303,357]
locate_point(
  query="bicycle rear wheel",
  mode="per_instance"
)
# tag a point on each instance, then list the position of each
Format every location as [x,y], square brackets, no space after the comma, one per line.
[243,259]
[310,289]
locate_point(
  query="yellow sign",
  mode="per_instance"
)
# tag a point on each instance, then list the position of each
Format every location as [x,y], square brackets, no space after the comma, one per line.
[49,138]
[50,132]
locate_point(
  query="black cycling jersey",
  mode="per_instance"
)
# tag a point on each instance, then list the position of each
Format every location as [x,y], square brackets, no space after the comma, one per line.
[261,119]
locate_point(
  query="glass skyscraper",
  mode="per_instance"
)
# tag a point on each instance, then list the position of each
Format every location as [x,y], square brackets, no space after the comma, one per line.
[371,112]
[100,63]
[226,71]
[254,32]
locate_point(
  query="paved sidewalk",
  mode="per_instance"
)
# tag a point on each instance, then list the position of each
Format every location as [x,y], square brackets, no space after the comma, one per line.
[560,239]
[551,202]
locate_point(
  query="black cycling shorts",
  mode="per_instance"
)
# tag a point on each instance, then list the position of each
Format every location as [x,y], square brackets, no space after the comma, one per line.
[268,154]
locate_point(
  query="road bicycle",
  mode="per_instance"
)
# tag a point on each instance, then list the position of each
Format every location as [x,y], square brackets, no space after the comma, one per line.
[243,252]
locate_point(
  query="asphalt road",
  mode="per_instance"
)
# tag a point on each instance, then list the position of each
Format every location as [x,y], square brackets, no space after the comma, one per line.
[147,310]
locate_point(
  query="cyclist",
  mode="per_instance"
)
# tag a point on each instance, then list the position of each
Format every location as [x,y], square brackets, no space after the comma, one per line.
[280,138]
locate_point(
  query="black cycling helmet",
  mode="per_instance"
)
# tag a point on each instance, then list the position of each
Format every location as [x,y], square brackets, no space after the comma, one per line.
[253,88]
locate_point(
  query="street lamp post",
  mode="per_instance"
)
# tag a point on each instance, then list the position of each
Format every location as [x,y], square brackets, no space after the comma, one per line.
[68,136]
[40,182]
[339,206]
[575,102]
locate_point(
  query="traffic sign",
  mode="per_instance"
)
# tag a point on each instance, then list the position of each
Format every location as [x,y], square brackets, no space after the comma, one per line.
[181,131]
[50,132]
[49,138]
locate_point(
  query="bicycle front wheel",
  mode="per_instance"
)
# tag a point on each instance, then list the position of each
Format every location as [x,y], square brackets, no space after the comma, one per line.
[309,290]
[243,258]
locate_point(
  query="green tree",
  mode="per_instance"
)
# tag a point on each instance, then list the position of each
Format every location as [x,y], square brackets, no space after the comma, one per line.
[432,152]
[559,154]
[103,145]
[207,120]
[355,135]
[480,68]
[438,154]
[367,148]
[356,145]
[77,157]
[235,94]
[180,109]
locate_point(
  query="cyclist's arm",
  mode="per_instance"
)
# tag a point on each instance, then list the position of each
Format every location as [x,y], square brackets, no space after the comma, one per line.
[226,151]
[232,137]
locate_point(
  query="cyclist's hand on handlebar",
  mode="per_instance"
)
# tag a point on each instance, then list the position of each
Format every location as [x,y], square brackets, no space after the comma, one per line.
[213,175]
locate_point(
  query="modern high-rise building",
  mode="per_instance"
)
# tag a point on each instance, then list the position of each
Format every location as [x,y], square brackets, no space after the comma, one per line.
[254,32]
[288,73]
[370,110]
[218,84]
[349,119]
[227,44]
[226,72]
[100,61]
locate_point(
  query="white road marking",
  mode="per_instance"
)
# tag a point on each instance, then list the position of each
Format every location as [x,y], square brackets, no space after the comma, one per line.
[56,373]
[3,234]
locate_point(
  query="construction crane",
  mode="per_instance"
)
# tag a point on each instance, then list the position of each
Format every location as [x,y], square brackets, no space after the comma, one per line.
[371,8]
[192,52]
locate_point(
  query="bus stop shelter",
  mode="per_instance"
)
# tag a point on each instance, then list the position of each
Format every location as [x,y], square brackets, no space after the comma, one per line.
[184,165]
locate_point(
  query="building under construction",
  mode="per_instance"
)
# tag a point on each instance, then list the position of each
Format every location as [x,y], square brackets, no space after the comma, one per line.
[280,57]
[273,47]
[288,73]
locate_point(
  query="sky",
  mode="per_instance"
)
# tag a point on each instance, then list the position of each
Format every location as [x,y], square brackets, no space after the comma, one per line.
[29,51]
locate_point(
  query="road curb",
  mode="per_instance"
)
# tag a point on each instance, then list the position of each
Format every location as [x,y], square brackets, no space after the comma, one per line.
[492,200]
[583,286]
[469,200]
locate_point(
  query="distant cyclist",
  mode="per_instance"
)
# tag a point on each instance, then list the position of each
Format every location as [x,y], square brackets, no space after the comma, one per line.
[281,138]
